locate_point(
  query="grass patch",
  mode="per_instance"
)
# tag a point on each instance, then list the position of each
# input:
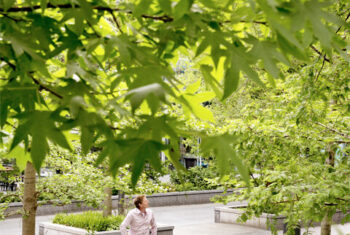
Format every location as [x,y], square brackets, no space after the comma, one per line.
[90,220]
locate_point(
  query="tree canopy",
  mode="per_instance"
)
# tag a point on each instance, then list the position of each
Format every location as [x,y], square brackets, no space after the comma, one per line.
[108,69]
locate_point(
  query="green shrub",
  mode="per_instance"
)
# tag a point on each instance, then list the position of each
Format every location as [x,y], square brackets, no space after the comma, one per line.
[196,178]
[9,197]
[90,220]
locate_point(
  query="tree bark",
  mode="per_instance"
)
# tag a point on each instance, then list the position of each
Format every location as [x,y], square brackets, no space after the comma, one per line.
[326,225]
[121,203]
[29,201]
[107,204]
[327,220]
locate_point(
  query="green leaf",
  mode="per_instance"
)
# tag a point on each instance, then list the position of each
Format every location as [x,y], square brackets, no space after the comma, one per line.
[239,62]
[346,219]
[209,79]
[287,35]
[165,5]
[267,52]
[208,3]
[204,96]
[153,102]
[222,148]
[231,80]
[39,149]
[3,113]
[43,4]
[2,135]
[156,128]
[315,14]
[192,88]
[58,138]
[76,103]
[87,137]
[20,134]
[41,125]
[135,152]
[21,156]
[141,7]
[104,153]
[203,45]
[195,105]
[136,96]
[287,47]
[147,150]
[173,153]
[8,4]
[181,8]
[86,11]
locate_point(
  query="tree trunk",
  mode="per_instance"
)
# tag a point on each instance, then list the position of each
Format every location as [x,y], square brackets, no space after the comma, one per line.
[107,204]
[121,203]
[29,201]
[327,220]
[326,225]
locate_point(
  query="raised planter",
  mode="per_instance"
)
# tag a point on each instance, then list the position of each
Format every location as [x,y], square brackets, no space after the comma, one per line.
[232,213]
[183,198]
[58,229]
[155,200]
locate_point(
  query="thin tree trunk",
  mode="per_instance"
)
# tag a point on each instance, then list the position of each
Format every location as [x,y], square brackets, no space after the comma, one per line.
[107,204]
[327,220]
[121,203]
[29,201]
[326,225]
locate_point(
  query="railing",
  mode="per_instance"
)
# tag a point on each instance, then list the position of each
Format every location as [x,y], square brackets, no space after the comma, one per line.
[5,186]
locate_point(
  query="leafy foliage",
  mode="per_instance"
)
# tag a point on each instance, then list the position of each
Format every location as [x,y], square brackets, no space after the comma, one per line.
[102,66]
[90,220]
[78,179]
[196,178]
[295,140]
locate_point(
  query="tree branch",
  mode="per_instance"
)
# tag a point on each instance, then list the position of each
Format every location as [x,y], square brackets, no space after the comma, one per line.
[255,182]
[324,56]
[318,52]
[254,21]
[93,29]
[9,63]
[11,18]
[116,21]
[334,130]
[347,17]
[163,18]
[42,87]
[9,195]
[51,6]
[322,66]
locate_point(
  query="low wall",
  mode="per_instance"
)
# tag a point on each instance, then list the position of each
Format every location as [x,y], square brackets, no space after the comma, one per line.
[155,200]
[232,213]
[58,229]
[183,198]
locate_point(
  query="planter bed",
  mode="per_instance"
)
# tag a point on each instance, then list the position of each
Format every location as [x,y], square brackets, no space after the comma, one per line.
[155,200]
[232,213]
[48,228]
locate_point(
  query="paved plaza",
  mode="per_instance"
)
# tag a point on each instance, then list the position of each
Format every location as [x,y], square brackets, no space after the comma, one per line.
[188,220]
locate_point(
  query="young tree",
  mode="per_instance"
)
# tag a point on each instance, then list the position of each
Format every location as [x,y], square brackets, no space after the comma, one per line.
[295,140]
